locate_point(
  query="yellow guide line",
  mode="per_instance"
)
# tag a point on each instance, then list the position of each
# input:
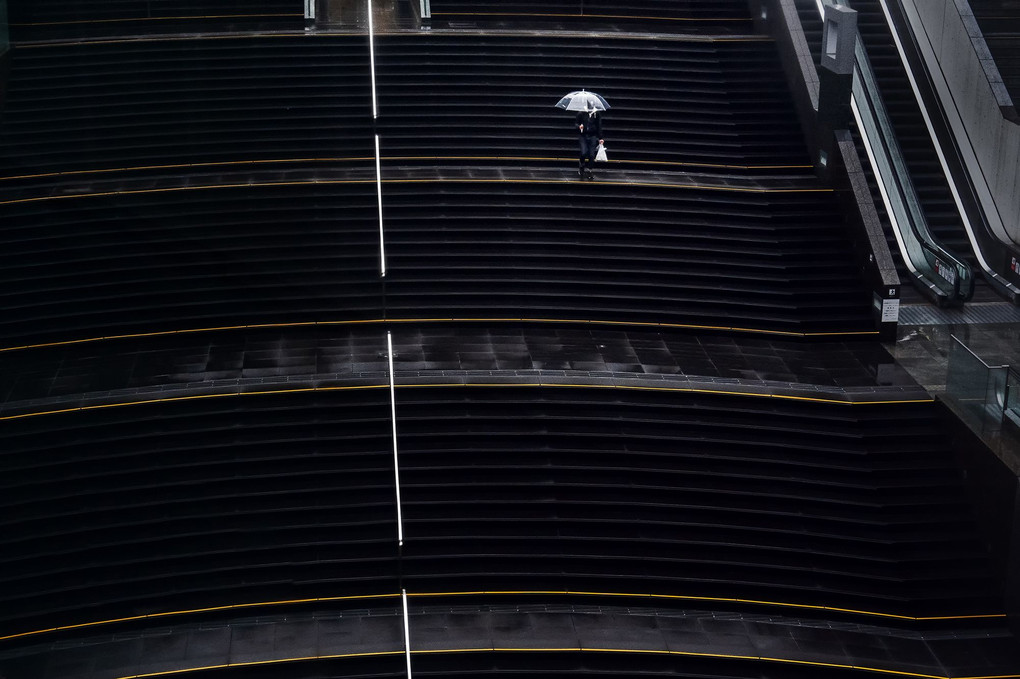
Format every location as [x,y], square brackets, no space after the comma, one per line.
[184,38]
[457,180]
[574,649]
[254,663]
[270,161]
[381,321]
[593,16]
[181,18]
[209,609]
[194,397]
[424,595]
[550,385]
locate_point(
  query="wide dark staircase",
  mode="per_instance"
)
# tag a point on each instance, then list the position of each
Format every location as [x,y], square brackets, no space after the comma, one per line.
[262,497]
[857,507]
[696,256]
[492,243]
[158,185]
[184,103]
[204,502]
[719,106]
[180,495]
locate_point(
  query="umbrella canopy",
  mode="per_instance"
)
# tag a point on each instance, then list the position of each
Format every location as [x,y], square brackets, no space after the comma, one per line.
[583,101]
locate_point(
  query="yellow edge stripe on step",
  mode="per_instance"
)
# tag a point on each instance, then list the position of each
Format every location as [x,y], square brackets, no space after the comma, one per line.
[666,652]
[476,593]
[383,321]
[178,166]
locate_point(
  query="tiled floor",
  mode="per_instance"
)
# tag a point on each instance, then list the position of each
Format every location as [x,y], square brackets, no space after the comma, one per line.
[158,364]
[923,350]
[275,639]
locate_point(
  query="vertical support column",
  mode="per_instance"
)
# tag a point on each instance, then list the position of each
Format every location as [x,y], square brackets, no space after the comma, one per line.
[835,81]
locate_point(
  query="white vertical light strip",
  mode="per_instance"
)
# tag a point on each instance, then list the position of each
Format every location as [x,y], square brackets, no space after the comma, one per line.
[378,198]
[371,58]
[378,164]
[393,421]
[407,633]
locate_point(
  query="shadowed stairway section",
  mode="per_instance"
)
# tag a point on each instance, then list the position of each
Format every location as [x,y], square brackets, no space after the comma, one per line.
[71,19]
[848,506]
[192,504]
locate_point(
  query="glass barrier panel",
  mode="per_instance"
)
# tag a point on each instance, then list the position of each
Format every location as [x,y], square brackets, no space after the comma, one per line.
[1012,405]
[976,389]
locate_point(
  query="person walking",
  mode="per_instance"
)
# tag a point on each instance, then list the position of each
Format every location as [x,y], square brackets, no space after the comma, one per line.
[589,129]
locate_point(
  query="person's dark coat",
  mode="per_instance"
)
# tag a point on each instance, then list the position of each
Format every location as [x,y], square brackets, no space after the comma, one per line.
[592,124]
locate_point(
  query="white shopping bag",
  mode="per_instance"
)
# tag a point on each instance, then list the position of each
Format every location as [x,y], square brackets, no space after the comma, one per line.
[600,157]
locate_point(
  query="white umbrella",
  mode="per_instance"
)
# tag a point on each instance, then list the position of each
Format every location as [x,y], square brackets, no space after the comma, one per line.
[583,101]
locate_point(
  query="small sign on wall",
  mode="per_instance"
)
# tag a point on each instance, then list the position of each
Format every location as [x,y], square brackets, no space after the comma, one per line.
[890,310]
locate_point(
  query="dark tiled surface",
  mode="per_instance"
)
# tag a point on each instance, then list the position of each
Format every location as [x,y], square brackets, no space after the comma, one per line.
[155,367]
[976,652]
[923,350]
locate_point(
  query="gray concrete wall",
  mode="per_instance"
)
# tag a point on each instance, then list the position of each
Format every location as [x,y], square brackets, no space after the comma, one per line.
[981,99]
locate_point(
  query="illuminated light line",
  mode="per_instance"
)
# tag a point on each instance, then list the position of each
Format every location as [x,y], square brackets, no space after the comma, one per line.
[308,390]
[671,597]
[407,632]
[254,663]
[570,649]
[730,600]
[181,18]
[379,207]
[210,609]
[679,389]
[177,166]
[379,181]
[396,461]
[193,397]
[513,319]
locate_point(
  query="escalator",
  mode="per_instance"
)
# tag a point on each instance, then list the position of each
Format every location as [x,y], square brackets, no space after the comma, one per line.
[907,121]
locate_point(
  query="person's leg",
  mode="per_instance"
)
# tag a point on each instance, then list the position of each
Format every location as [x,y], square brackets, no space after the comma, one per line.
[593,145]
[582,142]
